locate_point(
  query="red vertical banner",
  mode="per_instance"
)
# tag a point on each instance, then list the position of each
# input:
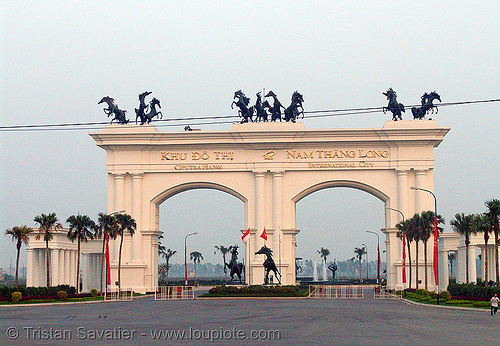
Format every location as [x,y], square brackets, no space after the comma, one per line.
[108,270]
[436,274]
[378,263]
[404,259]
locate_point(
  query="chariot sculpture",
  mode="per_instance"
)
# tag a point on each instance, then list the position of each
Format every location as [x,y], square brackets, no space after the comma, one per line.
[117,113]
[427,105]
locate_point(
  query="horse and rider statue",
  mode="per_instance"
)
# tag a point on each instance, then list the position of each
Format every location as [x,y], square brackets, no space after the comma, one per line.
[233,265]
[269,264]
[262,110]
[145,112]
[396,108]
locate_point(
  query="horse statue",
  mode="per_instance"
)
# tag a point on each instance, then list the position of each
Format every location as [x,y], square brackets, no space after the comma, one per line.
[292,112]
[333,268]
[152,111]
[275,110]
[269,264]
[260,108]
[427,106]
[119,115]
[242,103]
[139,112]
[393,105]
[233,265]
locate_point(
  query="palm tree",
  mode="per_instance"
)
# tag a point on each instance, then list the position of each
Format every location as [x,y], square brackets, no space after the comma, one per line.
[105,229]
[224,250]
[415,232]
[482,224]
[81,227]
[409,234]
[46,225]
[493,213]
[463,224]
[195,256]
[166,254]
[124,222]
[426,221]
[359,255]
[451,257]
[324,253]
[20,235]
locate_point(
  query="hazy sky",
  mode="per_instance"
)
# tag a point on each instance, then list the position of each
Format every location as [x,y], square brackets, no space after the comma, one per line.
[59,58]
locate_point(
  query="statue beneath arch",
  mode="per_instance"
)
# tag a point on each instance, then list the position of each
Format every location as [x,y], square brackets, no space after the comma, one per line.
[269,264]
[233,265]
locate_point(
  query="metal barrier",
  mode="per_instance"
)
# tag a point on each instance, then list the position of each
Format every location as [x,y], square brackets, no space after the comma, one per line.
[336,292]
[174,292]
[383,293]
[123,294]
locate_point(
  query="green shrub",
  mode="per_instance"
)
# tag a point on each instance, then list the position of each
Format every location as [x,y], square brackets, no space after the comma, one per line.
[421,292]
[94,293]
[17,296]
[445,295]
[432,294]
[62,295]
[481,304]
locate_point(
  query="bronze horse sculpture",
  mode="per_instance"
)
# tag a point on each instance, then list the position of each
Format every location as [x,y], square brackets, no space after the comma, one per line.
[275,109]
[292,112]
[393,105]
[233,265]
[143,113]
[119,115]
[269,264]
[245,112]
[427,105]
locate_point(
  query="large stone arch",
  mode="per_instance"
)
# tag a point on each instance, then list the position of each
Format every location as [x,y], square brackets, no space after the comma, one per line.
[270,167]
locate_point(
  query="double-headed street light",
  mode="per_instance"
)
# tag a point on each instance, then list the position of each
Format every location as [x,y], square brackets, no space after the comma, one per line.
[378,253]
[185,258]
[367,264]
[436,274]
[404,245]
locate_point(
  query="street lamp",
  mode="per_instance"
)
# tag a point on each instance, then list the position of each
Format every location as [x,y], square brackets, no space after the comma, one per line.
[404,245]
[378,252]
[436,274]
[367,264]
[185,258]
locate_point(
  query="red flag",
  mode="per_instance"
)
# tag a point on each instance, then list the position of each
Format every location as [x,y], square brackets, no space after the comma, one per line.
[264,234]
[436,275]
[404,260]
[108,270]
[245,236]
[378,263]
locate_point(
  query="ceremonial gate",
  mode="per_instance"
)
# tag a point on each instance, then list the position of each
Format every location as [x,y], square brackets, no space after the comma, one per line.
[269,167]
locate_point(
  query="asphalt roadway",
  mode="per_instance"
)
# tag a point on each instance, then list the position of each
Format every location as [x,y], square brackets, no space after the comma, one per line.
[247,321]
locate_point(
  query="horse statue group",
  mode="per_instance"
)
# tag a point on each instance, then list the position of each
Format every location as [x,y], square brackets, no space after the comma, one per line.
[145,112]
[396,108]
[263,110]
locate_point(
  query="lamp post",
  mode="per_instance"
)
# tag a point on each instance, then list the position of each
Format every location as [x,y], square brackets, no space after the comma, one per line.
[404,252]
[378,253]
[367,264]
[436,273]
[185,258]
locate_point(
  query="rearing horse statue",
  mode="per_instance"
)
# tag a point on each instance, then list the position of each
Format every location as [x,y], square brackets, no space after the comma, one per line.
[269,264]
[119,115]
[292,112]
[242,103]
[427,106]
[234,266]
[393,105]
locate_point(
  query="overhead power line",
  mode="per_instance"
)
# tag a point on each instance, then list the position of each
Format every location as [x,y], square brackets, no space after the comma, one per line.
[214,119]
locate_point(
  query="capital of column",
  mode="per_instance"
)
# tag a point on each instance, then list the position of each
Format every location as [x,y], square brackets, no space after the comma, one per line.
[277,174]
[402,172]
[137,175]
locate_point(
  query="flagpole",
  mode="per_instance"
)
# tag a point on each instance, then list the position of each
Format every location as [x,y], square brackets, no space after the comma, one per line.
[279,249]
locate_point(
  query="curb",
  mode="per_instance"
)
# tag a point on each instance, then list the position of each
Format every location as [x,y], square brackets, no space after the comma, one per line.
[411,302]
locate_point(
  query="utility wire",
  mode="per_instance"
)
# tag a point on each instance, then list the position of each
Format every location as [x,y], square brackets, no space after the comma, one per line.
[209,120]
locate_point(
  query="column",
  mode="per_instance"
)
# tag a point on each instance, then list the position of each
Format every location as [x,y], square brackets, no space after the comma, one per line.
[397,253]
[119,206]
[444,276]
[421,196]
[277,214]
[402,194]
[29,268]
[67,264]
[472,264]
[136,241]
[85,272]
[55,268]
[260,207]
[42,268]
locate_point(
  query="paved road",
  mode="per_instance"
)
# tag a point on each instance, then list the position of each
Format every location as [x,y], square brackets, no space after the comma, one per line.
[293,321]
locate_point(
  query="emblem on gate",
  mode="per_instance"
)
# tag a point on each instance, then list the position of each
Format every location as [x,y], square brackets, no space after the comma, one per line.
[269,155]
